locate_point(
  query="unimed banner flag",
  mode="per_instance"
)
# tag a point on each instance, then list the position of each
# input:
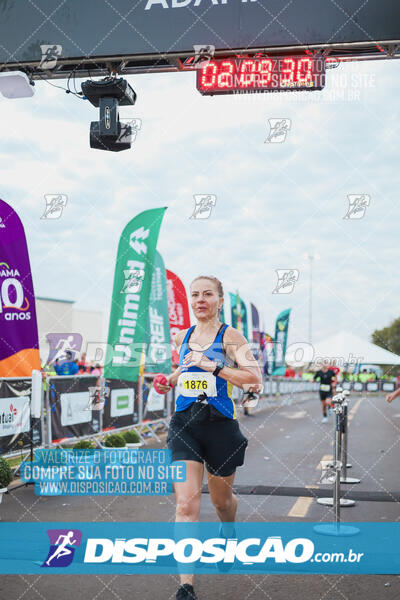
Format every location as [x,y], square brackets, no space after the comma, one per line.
[178,308]
[19,345]
[158,350]
[280,342]
[131,293]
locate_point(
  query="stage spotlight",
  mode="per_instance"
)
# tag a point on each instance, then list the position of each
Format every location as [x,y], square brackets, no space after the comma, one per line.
[108,94]
[15,84]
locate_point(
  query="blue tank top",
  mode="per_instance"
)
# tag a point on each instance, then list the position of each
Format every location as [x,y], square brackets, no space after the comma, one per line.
[223,400]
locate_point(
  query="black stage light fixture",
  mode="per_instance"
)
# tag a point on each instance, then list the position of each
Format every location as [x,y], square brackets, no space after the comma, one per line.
[107,94]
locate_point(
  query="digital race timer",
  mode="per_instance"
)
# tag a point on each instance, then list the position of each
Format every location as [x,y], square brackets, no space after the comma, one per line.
[235,75]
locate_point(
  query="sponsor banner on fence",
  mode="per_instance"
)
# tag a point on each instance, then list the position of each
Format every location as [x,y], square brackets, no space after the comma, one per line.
[131,292]
[70,403]
[121,407]
[198,548]
[15,413]
[388,386]
[19,345]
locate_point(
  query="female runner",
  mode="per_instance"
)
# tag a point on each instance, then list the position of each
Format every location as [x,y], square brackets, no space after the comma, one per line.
[204,428]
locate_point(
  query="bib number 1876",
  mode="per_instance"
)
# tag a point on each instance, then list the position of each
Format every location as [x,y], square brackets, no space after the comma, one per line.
[195,384]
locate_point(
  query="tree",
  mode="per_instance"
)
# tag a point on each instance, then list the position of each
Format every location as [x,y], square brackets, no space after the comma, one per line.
[388,337]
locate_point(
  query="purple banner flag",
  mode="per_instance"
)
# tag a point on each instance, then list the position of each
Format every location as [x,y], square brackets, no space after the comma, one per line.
[19,345]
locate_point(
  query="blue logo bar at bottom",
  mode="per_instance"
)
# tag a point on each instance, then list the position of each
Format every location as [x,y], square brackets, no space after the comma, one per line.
[236,548]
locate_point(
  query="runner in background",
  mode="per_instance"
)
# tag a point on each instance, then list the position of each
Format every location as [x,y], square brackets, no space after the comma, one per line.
[327,379]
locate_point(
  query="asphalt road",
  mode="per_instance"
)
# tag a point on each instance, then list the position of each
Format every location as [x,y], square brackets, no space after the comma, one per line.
[278,482]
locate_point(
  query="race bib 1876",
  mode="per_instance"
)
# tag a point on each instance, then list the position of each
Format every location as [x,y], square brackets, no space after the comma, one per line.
[193,384]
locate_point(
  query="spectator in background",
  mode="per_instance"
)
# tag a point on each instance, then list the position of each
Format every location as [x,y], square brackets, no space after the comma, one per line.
[96,370]
[66,367]
[82,369]
[82,363]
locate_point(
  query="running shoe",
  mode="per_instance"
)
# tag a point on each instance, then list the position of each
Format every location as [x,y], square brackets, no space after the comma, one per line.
[224,567]
[324,420]
[186,592]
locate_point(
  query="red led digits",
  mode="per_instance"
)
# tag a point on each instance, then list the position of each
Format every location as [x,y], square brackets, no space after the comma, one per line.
[209,75]
[304,70]
[247,73]
[225,77]
[235,75]
[287,71]
[265,70]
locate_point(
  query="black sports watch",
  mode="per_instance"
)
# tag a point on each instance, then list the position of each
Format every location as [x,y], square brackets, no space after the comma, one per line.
[219,367]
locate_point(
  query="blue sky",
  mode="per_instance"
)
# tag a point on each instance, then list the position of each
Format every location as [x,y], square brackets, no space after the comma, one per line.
[275,202]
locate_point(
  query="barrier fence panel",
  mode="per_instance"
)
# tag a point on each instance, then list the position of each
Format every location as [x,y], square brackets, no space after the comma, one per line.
[372,386]
[18,429]
[388,386]
[68,408]
[155,406]
[122,404]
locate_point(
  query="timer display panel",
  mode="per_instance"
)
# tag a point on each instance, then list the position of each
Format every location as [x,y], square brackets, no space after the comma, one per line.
[277,74]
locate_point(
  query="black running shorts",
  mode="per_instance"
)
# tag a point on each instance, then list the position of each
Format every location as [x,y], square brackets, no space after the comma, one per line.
[202,433]
[325,395]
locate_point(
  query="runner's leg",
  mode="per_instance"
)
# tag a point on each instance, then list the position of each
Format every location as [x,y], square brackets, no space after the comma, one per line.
[188,497]
[222,497]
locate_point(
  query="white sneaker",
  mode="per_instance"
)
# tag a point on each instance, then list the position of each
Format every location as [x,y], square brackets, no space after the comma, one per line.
[324,420]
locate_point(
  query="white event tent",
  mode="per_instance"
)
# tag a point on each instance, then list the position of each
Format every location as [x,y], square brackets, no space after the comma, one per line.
[345,347]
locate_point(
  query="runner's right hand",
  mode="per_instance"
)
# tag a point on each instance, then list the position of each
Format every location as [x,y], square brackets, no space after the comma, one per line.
[164,389]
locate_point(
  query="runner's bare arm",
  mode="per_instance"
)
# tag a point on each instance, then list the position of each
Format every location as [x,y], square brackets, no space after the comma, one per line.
[393,395]
[173,377]
[177,341]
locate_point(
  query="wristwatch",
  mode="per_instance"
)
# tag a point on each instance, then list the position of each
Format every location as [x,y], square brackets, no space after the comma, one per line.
[219,367]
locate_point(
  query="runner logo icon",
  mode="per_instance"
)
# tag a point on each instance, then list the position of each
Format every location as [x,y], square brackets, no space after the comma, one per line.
[63,543]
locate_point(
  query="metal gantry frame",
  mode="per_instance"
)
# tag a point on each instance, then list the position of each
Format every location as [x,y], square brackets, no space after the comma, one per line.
[175,62]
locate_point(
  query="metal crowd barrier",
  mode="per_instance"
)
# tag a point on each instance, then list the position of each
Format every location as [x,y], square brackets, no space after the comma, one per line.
[28,431]
[281,391]
[102,407]
[51,413]
[369,386]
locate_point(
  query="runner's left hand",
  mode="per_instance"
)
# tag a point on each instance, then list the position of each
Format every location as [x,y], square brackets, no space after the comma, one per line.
[256,388]
[197,359]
